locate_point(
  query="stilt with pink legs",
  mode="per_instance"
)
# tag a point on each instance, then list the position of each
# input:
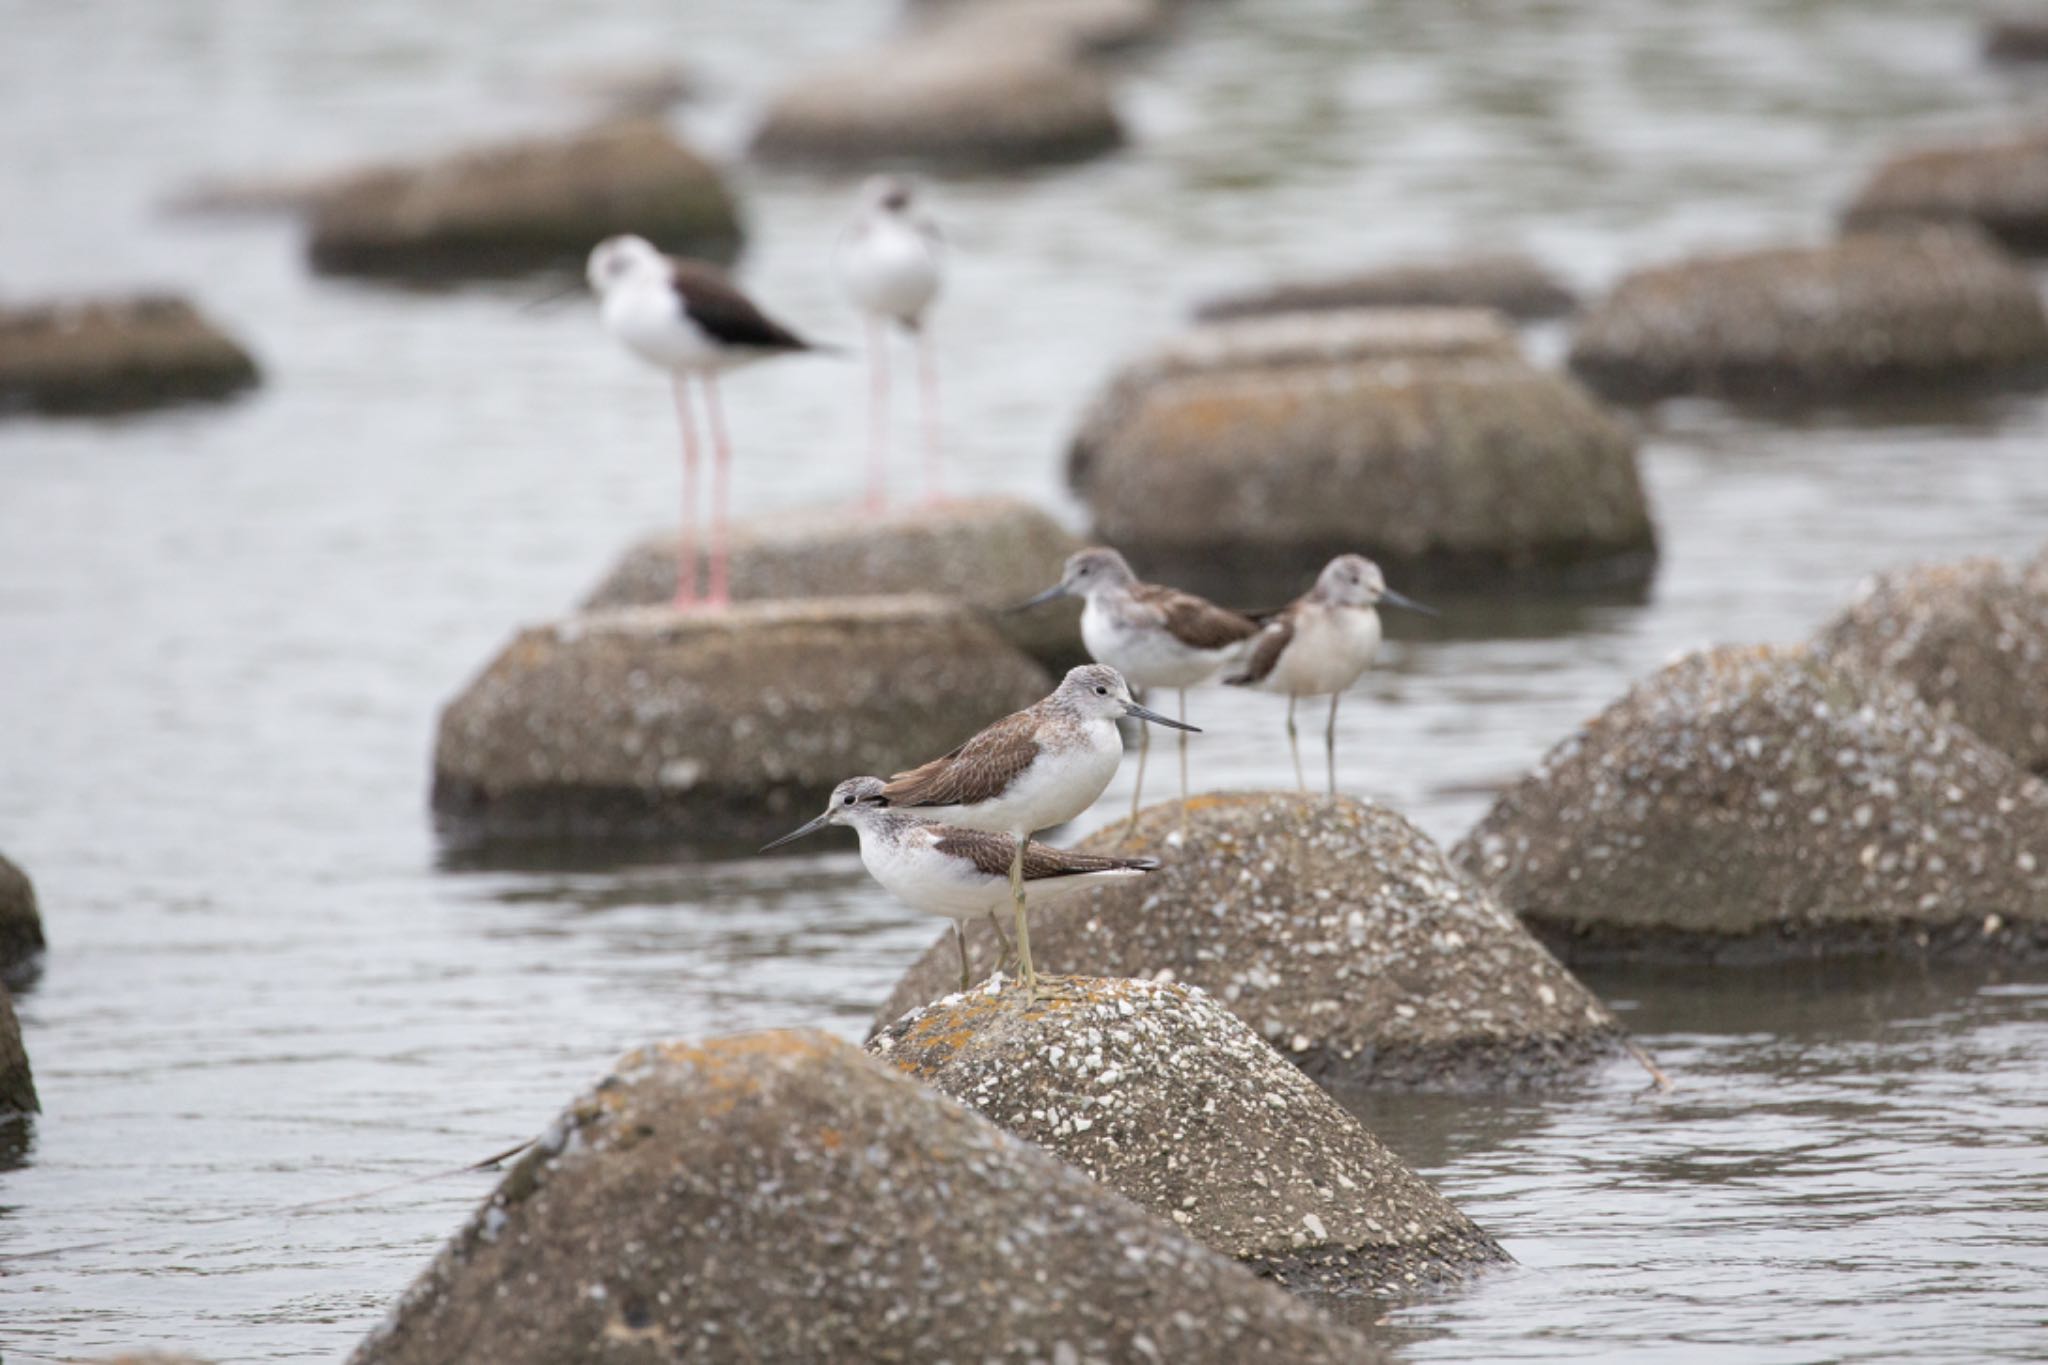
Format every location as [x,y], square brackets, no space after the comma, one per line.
[889,262]
[687,318]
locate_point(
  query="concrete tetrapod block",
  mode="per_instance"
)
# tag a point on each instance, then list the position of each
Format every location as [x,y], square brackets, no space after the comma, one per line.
[947,104]
[1335,929]
[716,727]
[1507,282]
[1998,184]
[1970,639]
[524,206]
[782,1197]
[115,355]
[1472,467]
[21,923]
[1754,804]
[1870,317]
[1165,1096]
[991,553]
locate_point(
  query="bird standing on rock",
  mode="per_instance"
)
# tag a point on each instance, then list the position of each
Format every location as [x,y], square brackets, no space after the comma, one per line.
[687,318]
[951,871]
[1029,771]
[889,263]
[1155,636]
[1320,643]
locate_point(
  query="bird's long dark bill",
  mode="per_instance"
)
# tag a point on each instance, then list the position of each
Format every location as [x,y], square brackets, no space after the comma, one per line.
[1394,599]
[1145,713]
[1056,591]
[553,297]
[797,834]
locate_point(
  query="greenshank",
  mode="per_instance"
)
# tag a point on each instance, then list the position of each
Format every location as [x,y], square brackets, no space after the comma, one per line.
[1320,643]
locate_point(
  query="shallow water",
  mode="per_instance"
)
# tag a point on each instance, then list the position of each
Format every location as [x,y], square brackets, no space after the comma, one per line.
[224,635]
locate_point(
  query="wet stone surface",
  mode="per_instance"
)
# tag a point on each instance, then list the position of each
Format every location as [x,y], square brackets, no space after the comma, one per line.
[1516,285]
[718,728]
[17,1082]
[1970,639]
[21,923]
[1159,1092]
[782,1196]
[992,553]
[1865,318]
[1335,930]
[1753,803]
[1999,184]
[115,355]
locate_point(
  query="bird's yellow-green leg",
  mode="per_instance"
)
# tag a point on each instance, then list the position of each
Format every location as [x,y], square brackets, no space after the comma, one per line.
[960,941]
[1008,961]
[1183,765]
[1330,742]
[1294,744]
[1138,787]
[1023,924]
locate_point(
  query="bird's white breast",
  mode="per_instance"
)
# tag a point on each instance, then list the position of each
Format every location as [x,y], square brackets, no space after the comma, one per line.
[1330,648]
[1147,656]
[648,316]
[1061,783]
[890,268]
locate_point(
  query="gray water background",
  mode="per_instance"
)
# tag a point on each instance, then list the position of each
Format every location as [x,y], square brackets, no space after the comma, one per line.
[225,633]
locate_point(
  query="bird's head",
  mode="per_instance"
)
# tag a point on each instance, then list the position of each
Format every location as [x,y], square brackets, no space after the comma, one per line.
[1355,581]
[1087,572]
[616,260]
[852,801]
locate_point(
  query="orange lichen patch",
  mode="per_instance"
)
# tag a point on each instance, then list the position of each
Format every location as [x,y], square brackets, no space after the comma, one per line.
[831,1139]
[729,1068]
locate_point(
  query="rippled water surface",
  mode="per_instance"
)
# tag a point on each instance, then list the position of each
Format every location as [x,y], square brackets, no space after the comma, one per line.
[224,635]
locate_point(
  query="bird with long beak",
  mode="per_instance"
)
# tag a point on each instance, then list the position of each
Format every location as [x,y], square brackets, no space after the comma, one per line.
[1321,642]
[955,872]
[890,263]
[1154,635]
[1030,771]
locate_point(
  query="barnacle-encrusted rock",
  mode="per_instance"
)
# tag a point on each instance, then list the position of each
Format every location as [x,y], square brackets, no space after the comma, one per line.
[1863,318]
[991,553]
[719,726]
[945,103]
[1507,282]
[1757,803]
[1335,929]
[1244,455]
[1971,639]
[1999,184]
[115,355]
[1163,1095]
[21,924]
[524,206]
[17,1085]
[782,1198]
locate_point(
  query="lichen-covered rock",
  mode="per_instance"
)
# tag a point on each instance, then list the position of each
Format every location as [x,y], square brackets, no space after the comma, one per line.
[991,553]
[942,103]
[714,727]
[1506,282]
[21,923]
[1460,464]
[115,355]
[524,206]
[1165,1096]
[1998,184]
[1971,639]
[1335,929]
[1866,317]
[1760,803]
[782,1198]
[17,1084]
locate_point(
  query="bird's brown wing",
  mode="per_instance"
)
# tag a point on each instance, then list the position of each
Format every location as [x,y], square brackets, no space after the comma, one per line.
[1195,621]
[726,315]
[991,854]
[1272,643]
[978,770]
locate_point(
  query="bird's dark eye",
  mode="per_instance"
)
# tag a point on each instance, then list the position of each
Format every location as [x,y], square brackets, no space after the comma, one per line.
[850,799]
[1101,691]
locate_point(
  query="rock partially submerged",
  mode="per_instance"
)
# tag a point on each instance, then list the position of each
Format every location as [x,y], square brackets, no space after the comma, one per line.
[716,727]
[115,355]
[1762,803]
[1868,317]
[1163,1095]
[783,1198]
[1335,929]
[1242,458]
[17,1084]
[21,924]
[524,206]
[1065,28]
[2018,36]
[1999,184]
[1970,639]
[1507,282]
[991,553]
[946,104]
